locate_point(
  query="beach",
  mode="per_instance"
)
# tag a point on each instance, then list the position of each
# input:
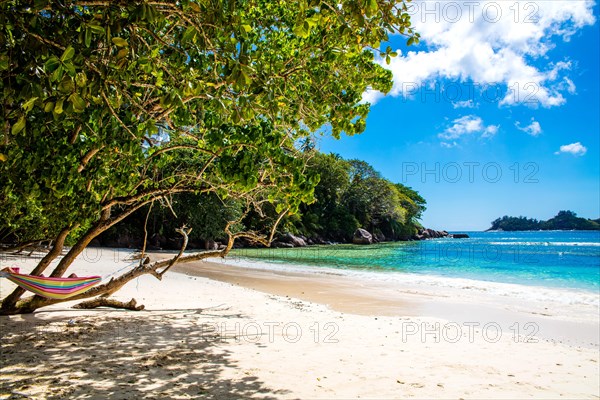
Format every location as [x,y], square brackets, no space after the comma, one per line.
[235,329]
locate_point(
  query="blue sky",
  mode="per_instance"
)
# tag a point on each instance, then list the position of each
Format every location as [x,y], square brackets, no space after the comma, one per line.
[495,112]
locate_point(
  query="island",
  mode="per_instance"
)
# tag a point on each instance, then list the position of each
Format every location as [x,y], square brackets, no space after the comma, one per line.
[563,221]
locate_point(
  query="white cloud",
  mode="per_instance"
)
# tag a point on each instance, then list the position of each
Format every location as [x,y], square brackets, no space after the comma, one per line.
[490,131]
[465,126]
[493,43]
[371,96]
[449,145]
[533,129]
[577,149]
[465,104]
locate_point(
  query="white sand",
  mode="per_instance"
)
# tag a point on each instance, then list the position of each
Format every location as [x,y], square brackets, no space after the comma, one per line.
[202,338]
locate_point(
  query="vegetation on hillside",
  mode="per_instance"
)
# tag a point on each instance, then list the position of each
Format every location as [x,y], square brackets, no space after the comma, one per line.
[564,220]
[349,194]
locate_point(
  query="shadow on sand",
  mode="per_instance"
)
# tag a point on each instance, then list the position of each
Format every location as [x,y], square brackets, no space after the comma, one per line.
[123,355]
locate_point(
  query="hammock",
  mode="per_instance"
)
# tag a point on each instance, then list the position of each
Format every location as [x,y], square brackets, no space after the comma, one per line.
[52,288]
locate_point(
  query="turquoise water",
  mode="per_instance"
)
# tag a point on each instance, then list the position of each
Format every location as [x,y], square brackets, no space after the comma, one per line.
[559,259]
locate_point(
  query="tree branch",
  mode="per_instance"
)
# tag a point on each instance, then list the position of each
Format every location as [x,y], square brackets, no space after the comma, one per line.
[86,159]
[114,114]
[183,232]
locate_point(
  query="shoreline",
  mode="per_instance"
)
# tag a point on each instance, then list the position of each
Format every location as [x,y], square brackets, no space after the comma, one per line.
[589,295]
[353,294]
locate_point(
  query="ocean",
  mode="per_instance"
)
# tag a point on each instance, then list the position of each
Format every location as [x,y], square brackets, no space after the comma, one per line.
[546,259]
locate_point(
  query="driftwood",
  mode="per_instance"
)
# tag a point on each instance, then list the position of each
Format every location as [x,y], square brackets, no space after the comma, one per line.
[106,302]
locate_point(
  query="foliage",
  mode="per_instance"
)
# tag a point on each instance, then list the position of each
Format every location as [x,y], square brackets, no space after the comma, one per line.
[564,220]
[568,220]
[352,194]
[109,105]
[507,223]
[206,213]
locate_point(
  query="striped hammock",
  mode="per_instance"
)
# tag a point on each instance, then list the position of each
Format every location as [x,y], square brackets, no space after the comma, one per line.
[52,288]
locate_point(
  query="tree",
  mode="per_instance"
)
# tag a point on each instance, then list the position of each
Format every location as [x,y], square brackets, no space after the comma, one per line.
[568,220]
[327,216]
[352,194]
[109,106]
[207,213]
[564,220]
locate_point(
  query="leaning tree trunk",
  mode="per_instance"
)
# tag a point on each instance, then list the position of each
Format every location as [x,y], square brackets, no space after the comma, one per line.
[156,269]
[12,305]
[102,292]
[9,303]
[100,226]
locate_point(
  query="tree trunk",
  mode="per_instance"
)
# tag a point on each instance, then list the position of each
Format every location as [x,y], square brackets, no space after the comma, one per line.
[10,301]
[30,304]
[96,229]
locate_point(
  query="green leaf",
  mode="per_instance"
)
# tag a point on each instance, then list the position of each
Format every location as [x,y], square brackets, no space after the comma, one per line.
[97,29]
[58,74]
[3,62]
[247,28]
[372,8]
[70,68]
[78,102]
[315,19]
[49,106]
[19,126]
[28,105]
[236,118]
[52,64]
[300,30]
[66,85]
[244,77]
[3,157]
[189,34]
[68,54]
[58,108]
[88,37]
[120,42]
[150,14]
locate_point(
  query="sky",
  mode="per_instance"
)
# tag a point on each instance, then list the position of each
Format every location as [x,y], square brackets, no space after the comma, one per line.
[495,112]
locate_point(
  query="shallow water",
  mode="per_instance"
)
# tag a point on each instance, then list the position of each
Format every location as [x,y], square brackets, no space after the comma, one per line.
[556,259]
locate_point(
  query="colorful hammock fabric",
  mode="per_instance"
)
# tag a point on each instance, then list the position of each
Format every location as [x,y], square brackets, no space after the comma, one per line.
[52,288]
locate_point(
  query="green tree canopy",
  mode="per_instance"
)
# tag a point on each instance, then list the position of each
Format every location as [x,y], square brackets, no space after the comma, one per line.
[352,194]
[564,220]
[110,105]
